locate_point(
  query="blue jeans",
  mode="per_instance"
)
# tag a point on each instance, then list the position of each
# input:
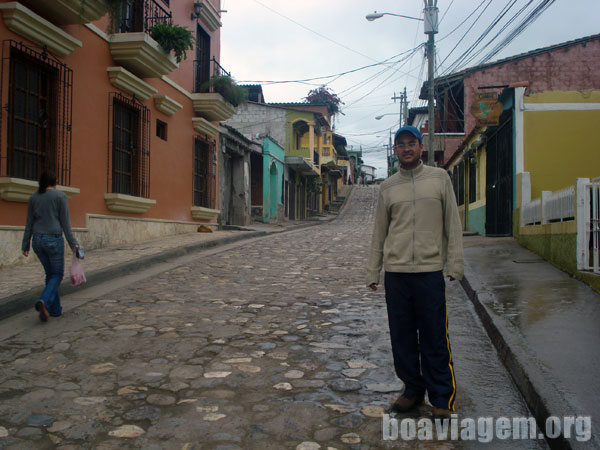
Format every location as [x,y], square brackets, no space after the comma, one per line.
[50,249]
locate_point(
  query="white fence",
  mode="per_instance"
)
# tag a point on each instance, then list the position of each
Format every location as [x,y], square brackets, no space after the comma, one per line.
[551,207]
[559,206]
[580,202]
[588,225]
[531,213]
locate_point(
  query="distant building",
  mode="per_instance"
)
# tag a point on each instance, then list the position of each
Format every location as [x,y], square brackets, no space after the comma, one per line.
[255,92]
[368,173]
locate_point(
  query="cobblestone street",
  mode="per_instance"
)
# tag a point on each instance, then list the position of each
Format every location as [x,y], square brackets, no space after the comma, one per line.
[269,344]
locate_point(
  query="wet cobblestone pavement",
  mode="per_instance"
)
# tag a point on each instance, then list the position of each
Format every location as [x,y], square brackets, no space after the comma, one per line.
[274,344]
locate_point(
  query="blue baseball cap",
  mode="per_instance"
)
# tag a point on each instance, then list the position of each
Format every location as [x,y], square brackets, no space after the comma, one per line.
[409,129]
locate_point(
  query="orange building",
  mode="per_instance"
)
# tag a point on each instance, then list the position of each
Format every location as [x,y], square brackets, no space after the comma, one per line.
[131,134]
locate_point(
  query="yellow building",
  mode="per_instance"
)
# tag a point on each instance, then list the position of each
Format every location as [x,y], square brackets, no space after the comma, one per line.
[467,169]
[530,175]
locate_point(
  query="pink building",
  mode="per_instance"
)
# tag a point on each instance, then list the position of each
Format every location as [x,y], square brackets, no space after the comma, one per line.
[572,65]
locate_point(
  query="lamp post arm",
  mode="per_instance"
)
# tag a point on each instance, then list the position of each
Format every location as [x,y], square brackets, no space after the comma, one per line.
[376,15]
[406,17]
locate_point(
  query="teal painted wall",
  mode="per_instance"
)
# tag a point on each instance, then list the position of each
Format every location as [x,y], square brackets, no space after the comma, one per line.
[477,220]
[273,154]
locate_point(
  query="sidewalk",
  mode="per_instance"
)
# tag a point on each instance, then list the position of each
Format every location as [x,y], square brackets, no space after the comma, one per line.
[20,286]
[545,326]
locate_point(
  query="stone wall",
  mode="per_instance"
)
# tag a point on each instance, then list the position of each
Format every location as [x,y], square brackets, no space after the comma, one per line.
[255,120]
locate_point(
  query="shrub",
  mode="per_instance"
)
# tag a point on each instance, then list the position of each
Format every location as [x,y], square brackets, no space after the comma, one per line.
[227,87]
[173,38]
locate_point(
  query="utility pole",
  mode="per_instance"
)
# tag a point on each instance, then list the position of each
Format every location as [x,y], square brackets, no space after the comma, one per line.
[431,28]
[401,98]
[405,115]
[392,155]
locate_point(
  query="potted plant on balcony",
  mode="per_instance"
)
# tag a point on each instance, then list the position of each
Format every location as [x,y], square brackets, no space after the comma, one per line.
[173,38]
[228,88]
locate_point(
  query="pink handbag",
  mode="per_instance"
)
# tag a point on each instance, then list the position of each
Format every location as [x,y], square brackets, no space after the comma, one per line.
[77,275]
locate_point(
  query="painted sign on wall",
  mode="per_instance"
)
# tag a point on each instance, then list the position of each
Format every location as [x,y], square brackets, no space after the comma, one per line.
[486,109]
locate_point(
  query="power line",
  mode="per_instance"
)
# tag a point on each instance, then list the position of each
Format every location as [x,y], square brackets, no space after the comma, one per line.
[312,31]
[532,17]
[466,32]
[509,22]
[462,23]
[363,134]
[446,12]
[372,77]
[380,84]
[324,77]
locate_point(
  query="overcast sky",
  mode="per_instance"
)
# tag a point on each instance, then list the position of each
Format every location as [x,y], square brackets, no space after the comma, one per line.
[282,40]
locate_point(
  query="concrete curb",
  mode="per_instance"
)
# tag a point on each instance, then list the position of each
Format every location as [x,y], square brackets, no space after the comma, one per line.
[21,301]
[24,300]
[541,393]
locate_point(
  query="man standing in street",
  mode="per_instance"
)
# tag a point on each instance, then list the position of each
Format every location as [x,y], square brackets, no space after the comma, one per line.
[418,231]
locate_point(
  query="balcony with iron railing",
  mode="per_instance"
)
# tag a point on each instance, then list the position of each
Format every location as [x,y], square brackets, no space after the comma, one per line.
[131,45]
[206,70]
[211,81]
[141,15]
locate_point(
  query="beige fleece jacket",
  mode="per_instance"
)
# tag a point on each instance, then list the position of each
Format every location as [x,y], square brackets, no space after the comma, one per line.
[417,225]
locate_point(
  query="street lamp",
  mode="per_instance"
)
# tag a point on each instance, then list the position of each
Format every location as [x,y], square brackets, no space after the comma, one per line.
[431,28]
[376,15]
[388,114]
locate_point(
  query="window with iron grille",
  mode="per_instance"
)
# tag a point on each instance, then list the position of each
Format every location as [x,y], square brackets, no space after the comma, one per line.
[202,72]
[205,171]
[39,114]
[129,147]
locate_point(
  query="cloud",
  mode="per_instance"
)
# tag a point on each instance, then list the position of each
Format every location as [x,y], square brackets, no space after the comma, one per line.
[258,44]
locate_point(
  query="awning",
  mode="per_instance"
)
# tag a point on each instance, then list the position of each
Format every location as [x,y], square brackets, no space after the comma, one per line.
[301,165]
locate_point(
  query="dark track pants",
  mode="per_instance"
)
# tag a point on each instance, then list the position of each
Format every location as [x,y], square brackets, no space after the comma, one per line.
[418,319]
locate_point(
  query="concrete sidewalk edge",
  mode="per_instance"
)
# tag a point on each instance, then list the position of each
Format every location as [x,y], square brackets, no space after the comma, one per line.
[21,301]
[543,397]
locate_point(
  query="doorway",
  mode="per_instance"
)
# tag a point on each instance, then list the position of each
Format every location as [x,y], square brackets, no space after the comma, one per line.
[499,179]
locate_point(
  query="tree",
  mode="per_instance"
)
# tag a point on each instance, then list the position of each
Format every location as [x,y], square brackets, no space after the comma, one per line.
[323,95]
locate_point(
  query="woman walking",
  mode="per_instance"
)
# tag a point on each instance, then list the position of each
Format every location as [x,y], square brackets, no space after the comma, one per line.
[47,219]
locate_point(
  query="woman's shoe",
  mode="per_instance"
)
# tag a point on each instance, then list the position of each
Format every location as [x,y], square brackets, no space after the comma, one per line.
[39,306]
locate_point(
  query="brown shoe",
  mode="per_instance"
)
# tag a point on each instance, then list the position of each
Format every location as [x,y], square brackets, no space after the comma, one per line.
[39,306]
[441,413]
[405,404]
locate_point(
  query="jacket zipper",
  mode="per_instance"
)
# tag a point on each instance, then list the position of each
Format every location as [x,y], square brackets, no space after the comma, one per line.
[414,216]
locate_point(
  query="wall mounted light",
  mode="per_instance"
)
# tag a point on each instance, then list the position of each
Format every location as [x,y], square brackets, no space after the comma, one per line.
[197,10]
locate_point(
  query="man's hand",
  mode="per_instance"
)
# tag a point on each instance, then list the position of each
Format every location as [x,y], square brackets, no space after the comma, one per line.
[373,286]
[25,252]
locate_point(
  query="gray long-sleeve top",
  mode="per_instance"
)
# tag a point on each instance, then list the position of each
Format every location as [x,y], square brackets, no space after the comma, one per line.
[48,213]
